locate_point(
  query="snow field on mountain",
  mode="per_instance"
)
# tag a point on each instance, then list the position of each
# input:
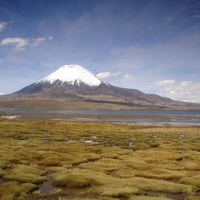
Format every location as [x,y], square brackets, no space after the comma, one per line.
[73,74]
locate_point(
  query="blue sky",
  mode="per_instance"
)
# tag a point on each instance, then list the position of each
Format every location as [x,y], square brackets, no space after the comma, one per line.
[149,45]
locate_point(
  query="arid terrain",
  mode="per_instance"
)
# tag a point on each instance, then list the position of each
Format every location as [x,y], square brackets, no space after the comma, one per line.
[58,160]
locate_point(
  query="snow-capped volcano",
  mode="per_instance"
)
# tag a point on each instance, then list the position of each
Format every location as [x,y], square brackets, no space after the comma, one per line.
[72,74]
[72,79]
[73,83]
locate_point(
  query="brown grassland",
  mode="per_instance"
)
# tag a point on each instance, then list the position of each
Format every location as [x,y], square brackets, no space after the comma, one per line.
[59,160]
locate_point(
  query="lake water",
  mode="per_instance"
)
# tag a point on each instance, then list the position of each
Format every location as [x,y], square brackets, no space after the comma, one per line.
[152,116]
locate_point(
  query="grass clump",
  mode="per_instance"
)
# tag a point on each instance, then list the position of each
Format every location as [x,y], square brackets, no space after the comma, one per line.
[51,161]
[25,169]
[12,189]
[160,186]
[148,198]
[158,173]
[192,198]
[104,165]
[134,162]
[7,197]
[126,173]
[195,181]
[25,174]
[140,146]
[192,166]
[74,179]
[24,178]
[116,192]
[100,198]
[1,173]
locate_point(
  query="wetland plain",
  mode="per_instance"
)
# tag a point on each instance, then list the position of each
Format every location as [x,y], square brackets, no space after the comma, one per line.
[59,159]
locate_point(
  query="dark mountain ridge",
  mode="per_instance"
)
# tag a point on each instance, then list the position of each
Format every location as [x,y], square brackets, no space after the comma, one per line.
[91,89]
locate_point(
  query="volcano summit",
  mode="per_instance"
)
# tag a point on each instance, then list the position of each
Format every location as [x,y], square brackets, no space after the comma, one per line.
[68,79]
[72,74]
[73,84]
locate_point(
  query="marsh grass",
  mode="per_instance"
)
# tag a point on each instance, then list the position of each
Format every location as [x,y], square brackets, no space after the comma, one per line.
[126,173]
[105,165]
[148,198]
[192,198]
[164,174]
[25,174]
[12,188]
[161,186]
[191,166]
[74,179]
[100,198]
[27,169]
[24,178]
[125,159]
[80,178]
[194,180]
[1,173]
[116,192]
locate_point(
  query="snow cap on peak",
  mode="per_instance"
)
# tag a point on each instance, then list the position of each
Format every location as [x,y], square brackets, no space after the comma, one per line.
[73,74]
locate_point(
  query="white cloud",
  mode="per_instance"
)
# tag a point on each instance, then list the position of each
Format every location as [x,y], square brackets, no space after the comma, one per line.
[1,93]
[37,41]
[51,38]
[164,82]
[128,76]
[188,91]
[18,43]
[2,25]
[107,74]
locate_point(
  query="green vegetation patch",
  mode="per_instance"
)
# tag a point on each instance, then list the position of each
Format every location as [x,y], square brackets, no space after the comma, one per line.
[104,165]
[24,178]
[160,186]
[191,165]
[13,188]
[110,160]
[25,174]
[192,198]
[17,169]
[74,179]
[1,173]
[148,198]
[158,173]
[195,181]
[80,198]
[116,192]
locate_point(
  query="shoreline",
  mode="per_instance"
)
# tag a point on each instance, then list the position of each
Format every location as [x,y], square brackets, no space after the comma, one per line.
[159,120]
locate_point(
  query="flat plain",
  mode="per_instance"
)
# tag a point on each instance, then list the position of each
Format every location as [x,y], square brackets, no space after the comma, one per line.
[58,160]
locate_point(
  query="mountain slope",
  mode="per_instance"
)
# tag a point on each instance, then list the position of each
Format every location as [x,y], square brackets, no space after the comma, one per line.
[73,83]
[66,79]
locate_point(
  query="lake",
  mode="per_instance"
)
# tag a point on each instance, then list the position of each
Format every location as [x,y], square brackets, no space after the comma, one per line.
[151,116]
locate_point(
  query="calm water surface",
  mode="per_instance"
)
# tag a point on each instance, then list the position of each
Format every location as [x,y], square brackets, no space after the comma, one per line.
[115,112]
[175,116]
